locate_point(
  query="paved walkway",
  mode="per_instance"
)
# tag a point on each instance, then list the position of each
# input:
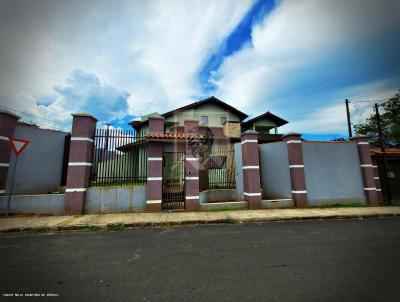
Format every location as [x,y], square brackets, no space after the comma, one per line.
[149,219]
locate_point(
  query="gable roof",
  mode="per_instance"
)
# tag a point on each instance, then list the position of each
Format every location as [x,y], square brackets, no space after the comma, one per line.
[210,100]
[267,115]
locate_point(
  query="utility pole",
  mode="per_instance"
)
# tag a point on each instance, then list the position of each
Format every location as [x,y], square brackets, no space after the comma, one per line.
[348,118]
[381,143]
[107,135]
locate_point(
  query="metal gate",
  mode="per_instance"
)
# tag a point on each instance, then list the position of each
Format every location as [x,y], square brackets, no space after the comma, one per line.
[173,185]
[218,171]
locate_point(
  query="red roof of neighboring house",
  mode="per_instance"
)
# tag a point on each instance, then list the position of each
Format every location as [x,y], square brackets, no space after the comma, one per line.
[388,151]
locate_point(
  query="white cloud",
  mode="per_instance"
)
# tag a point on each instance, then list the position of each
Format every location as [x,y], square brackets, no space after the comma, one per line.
[332,118]
[306,49]
[151,49]
[296,63]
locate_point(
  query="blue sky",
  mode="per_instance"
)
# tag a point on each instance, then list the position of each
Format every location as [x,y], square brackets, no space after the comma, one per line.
[296,58]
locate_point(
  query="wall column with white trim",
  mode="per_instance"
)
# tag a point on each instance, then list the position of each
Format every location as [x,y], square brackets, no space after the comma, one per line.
[8,122]
[192,195]
[155,166]
[377,180]
[367,170]
[296,166]
[79,163]
[251,169]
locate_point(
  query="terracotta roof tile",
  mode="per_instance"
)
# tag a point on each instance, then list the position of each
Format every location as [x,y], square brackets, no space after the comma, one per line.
[173,135]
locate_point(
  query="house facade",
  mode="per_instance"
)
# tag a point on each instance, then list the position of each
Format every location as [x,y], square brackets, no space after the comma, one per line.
[207,131]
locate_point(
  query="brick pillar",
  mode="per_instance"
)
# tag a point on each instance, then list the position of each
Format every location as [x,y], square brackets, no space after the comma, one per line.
[251,169]
[154,167]
[296,166]
[8,122]
[192,198]
[79,163]
[366,169]
[377,180]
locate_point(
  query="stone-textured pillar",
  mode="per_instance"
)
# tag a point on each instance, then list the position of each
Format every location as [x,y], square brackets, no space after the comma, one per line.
[155,167]
[79,163]
[296,166]
[8,122]
[377,180]
[192,197]
[366,168]
[251,169]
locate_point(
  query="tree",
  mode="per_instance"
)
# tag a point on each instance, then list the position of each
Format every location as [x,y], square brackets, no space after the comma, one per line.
[390,123]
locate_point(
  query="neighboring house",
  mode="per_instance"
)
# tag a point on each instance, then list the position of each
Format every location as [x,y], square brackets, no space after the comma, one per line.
[393,172]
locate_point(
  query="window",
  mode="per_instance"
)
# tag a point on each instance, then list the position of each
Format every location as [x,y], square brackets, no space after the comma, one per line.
[204,120]
[223,120]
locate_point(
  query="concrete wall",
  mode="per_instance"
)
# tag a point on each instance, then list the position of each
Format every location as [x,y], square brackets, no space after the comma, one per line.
[239,171]
[275,174]
[218,195]
[34,204]
[40,164]
[115,199]
[333,173]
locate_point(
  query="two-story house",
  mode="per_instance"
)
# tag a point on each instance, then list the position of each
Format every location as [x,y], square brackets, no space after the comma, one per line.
[225,121]
[216,127]
[220,126]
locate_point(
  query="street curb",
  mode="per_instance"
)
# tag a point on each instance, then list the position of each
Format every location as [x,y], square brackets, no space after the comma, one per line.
[227,220]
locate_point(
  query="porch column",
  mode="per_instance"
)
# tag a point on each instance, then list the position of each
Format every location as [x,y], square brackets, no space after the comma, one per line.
[154,166]
[192,199]
[296,167]
[251,169]
[8,122]
[79,163]
[366,168]
[377,180]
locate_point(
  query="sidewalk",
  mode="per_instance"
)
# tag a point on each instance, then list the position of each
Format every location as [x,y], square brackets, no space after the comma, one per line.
[162,219]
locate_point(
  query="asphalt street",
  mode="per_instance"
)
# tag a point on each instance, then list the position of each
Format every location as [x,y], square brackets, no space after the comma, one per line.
[321,260]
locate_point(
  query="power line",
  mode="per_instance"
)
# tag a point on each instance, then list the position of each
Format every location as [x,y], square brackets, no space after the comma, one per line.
[33,115]
[370,101]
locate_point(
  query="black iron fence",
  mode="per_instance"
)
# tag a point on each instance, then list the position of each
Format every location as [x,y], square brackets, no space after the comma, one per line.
[119,159]
[218,169]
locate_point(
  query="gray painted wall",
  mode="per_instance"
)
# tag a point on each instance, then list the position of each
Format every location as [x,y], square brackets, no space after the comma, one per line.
[333,173]
[115,199]
[239,171]
[40,164]
[275,174]
[34,204]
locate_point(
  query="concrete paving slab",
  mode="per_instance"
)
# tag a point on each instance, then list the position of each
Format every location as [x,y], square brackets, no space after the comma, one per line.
[149,219]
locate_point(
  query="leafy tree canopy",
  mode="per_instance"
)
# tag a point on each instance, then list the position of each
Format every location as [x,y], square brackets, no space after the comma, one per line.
[390,123]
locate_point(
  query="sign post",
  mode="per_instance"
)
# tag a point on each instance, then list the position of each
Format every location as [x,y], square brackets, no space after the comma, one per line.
[17,145]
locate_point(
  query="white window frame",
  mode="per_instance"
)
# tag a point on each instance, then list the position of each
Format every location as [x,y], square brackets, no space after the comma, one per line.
[202,118]
[225,119]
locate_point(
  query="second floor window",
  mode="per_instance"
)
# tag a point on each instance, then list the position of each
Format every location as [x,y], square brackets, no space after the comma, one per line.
[204,120]
[223,120]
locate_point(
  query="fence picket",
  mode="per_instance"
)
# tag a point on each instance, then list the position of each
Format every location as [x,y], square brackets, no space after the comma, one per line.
[119,158]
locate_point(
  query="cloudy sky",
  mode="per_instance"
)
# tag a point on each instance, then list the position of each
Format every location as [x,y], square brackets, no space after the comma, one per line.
[121,59]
